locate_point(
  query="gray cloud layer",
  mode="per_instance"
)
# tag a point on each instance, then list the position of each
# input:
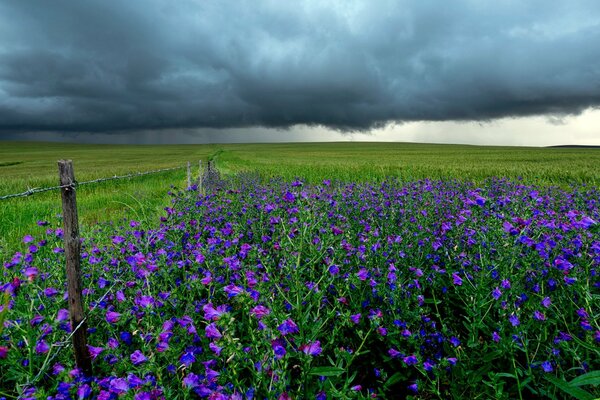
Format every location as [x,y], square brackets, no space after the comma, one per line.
[98,65]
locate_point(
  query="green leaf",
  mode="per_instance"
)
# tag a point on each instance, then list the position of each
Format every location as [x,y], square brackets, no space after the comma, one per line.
[574,391]
[591,378]
[392,380]
[505,375]
[327,371]
[584,344]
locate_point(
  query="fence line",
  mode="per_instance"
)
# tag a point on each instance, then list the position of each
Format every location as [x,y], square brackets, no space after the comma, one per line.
[46,189]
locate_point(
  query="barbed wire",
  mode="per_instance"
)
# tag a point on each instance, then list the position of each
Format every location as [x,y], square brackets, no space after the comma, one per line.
[29,192]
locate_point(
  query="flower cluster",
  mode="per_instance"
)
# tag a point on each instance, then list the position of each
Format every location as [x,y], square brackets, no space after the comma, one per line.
[288,290]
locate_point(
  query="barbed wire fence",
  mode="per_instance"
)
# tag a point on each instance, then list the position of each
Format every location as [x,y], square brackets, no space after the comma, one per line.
[32,191]
[78,318]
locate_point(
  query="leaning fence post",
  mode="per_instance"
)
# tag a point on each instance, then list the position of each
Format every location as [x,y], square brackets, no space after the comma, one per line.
[72,256]
[189,175]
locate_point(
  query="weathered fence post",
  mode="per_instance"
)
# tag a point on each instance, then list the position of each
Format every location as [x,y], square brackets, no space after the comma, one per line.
[200,177]
[72,255]
[189,175]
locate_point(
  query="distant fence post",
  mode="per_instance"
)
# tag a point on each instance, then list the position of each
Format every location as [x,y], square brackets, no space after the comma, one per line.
[72,255]
[200,177]
[189,175]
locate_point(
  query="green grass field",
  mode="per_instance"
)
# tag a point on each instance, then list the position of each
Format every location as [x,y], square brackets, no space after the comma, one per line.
[32,165]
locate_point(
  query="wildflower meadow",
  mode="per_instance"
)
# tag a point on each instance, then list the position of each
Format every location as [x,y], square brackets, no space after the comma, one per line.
[292,290]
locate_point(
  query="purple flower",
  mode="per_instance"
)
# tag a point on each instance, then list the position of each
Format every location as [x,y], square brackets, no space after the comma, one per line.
[213,314]
[112,317]
[119,386]
[260,311]
[394,353]
[187,358]
[233,290]
[84,391]
[62,315]
[289,197]
[145,301]
[355,318]
[288,326]
[191,380]
[278,349]
[211,375]
[514,320]
[547,366]
[42,347]
[212,332]
[496,293]
[495,337]
[312,349]
[31,273]
[3,352]
[539,315]
[569,281]
[410,360]
[455,341]
[456,280]
[362,274]
[95,351]
[137,358]
[215,349]
[546,302]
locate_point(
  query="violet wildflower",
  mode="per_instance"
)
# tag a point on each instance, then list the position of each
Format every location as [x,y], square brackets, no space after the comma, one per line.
[394,353]
[119,386]
[539,315]
[187,358]
[84,391]
[112,317]
[278,349]
[495,337]
[191,380]
[312,349]
[456,280]
[546,302]
[137,358]
[288,326]
[94,351]
[410,360]
[260,311]
[547,366]
[42,347]
[496,294]
[212,332]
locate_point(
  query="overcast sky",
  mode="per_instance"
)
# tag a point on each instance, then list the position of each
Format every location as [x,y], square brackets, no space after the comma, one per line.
[157,71]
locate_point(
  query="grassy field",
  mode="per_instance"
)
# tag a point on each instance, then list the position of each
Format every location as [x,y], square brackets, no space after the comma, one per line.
[32,165]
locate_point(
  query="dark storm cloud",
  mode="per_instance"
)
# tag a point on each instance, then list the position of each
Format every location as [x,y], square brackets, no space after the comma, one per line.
[97,65]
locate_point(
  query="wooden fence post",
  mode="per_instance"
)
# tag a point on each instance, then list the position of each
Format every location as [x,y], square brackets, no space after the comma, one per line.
[72,255]
[189,175]
[200,176]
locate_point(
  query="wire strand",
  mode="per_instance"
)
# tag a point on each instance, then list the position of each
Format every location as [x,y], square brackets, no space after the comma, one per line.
[32,191]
